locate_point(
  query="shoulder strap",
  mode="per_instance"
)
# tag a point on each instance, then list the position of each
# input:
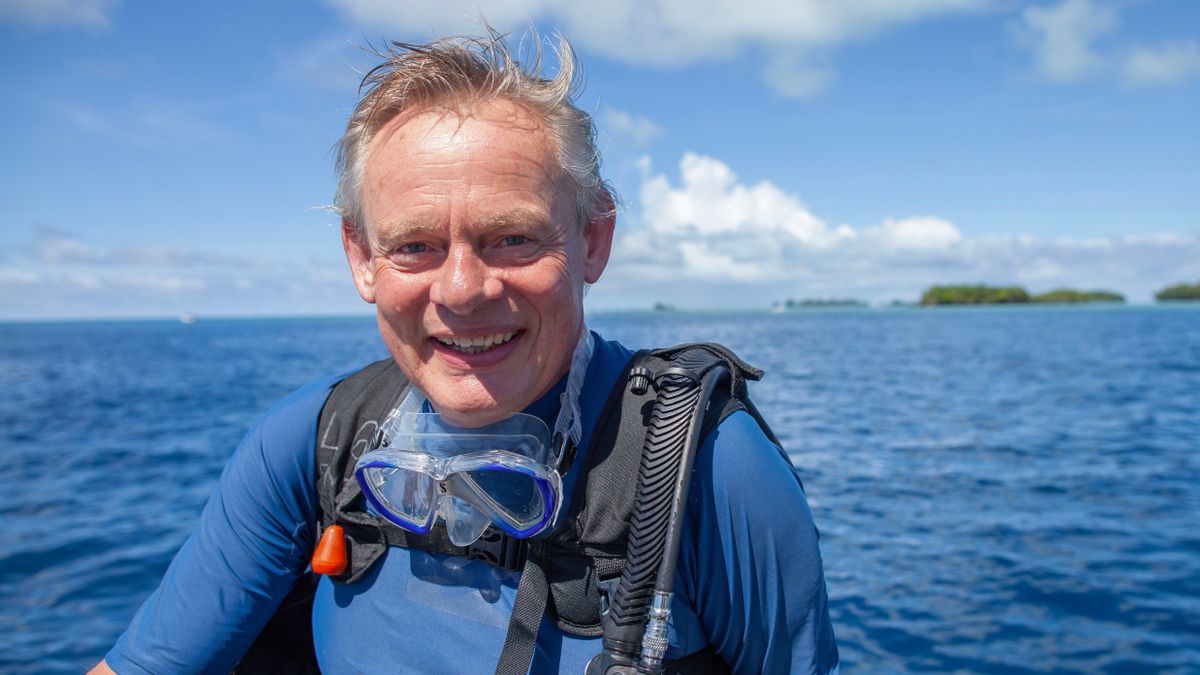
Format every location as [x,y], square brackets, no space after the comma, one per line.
[348,424]
[285,643]
[349,419]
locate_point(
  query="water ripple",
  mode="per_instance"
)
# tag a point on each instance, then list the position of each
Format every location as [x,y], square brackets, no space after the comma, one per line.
[998,491]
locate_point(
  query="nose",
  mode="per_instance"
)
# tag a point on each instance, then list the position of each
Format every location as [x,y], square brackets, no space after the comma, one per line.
[465,281]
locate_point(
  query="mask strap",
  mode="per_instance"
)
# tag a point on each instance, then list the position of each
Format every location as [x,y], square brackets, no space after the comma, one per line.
[412,403]
[567,427]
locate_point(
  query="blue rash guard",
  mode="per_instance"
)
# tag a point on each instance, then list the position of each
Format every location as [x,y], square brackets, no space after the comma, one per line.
[749,580]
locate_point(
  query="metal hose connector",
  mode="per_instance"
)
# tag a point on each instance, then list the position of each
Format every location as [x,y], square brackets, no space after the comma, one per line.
[654,641]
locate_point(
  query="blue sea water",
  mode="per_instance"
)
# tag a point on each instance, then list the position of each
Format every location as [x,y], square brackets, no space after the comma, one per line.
[998,490]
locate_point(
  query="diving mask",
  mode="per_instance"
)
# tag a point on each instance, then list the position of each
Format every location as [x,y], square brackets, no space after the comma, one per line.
[423,468]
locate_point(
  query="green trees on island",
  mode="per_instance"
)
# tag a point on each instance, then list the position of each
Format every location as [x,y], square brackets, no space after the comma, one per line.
[982,294]
[974,295]
[1008,295]
[1179,292]
[820,303]
[1068,295]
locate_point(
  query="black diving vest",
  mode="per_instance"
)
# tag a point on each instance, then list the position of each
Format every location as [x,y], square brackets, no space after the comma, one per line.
[582,557]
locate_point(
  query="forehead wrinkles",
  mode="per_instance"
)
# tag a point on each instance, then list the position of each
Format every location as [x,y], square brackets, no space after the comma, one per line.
[487,130]
[426,156]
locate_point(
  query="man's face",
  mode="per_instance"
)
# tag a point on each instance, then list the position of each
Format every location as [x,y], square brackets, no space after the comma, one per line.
[475,259]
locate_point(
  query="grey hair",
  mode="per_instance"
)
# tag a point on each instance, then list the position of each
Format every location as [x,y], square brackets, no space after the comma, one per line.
[468,69]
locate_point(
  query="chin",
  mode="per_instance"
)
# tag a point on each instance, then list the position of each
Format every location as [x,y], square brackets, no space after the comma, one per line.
[472,417]
[471,412]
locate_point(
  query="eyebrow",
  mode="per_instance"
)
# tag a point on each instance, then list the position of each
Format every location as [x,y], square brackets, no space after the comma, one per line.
[393,233]
[388,235]
[518,217]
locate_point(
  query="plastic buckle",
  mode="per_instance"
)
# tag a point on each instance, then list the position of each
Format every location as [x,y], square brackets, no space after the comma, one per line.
[499,549]
[607,589]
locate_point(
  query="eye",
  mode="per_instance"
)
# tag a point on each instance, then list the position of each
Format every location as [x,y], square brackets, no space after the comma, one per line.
[412,248]
[514,240]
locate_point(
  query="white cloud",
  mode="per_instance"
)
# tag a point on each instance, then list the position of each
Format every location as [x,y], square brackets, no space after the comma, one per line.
[147,123]
[171,283]
[711,201]
[916,234]
[677,32]
[165,121]
[635,127]
[59,13]
[175,256]
[18,277]
[1166,64]
[61,276]
[797,77]
[700,258]
[334,64]
[53,247]
[710,240]
[1063,35]
[1064,40]
[87,120]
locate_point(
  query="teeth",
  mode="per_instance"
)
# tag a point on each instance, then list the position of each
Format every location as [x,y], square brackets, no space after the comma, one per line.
[477,344]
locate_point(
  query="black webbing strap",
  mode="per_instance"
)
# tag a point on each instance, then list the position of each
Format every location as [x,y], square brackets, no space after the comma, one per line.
[527,612]
[493,546]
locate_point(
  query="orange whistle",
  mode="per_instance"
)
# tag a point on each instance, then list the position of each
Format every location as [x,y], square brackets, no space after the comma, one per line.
[330,556]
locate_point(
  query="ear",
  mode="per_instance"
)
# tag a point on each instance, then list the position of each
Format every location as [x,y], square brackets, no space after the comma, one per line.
[598,235]
[362,263]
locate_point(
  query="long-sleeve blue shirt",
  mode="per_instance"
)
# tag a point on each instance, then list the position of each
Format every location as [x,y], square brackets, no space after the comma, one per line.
[749,580]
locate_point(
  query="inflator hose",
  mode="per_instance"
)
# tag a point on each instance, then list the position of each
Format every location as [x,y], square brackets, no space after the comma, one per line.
[652,654]
[657,518]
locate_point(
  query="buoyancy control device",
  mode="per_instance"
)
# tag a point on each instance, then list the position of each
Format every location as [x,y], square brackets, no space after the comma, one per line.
[607,568]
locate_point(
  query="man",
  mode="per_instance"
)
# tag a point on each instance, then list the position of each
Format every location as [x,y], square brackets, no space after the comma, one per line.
[474,216]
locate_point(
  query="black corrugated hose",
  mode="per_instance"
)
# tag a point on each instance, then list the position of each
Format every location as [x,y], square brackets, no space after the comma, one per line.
[657,521]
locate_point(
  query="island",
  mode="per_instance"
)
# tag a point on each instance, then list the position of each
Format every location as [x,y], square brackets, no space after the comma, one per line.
[815,303]
[1179,292]
[974,295]
[980,294]
[1067,295]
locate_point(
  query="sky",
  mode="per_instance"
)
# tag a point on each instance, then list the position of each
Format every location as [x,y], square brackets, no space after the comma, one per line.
[163,158]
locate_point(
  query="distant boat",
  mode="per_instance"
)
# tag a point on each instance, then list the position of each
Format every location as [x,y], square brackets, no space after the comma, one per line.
[187,318]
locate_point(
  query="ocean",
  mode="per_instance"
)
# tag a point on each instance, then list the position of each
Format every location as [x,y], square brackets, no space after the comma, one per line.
[998,490]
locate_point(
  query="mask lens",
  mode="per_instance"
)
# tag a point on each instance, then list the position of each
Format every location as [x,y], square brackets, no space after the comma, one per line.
[408,495]
[423,469]
[518,496]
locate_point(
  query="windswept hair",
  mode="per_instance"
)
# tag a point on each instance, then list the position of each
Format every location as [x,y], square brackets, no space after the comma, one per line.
[465,70]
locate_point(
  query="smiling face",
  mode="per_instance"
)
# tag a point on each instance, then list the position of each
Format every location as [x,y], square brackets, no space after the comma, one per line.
[474,257]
